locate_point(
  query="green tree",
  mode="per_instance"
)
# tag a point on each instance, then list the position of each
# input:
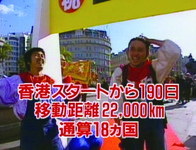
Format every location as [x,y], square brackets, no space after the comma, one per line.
[5,51]
[68,55]
[21,64]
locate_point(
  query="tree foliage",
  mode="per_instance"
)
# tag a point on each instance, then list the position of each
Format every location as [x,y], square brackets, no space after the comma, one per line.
[68,55]
[5,50]
[21,64]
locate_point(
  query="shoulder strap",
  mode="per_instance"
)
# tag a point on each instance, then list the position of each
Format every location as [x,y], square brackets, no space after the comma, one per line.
[153,74]
[125,71]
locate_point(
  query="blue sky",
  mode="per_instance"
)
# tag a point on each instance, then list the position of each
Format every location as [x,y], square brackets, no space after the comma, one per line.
[19,16]
[16,15]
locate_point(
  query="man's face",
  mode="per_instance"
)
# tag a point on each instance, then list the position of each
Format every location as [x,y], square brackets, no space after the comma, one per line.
[137,53]
[37,60]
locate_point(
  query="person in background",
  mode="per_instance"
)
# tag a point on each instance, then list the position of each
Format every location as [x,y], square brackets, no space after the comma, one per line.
[180,80]
[141,70]
[36,134]
[104,84]
[194,87]
[188,85]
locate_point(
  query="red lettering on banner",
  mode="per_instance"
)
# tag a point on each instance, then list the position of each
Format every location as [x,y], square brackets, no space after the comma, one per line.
[88,90]
[159,92]
[114,108]
[143,110]
[72,91]
[116,91]
[172,91]
[130,129]
[92,109]
[115,130]
[26,91]
[152,111]
[126,129]
[60,92]
[127,110]
[156,111]
[101,90]
[135,110]
[75,109]
[96,124]
[68,129]
[84,128]
[105,129]
[105,110]
[59,110]
[109,110]
[143,90]
[42,110]
[43,90]
[150,92]
[131,93]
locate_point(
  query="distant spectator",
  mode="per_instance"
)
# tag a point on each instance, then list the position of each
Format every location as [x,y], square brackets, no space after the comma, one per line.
[194,87]
[180,80]
[187,85]
[104,84]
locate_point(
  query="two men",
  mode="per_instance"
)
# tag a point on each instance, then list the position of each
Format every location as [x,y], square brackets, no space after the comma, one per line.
[43,134]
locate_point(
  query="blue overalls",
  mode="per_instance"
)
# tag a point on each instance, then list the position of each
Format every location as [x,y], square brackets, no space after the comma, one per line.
[39,134]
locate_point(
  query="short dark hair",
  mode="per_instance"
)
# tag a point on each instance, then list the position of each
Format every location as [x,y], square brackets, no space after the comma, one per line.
[27,56]
[147,43]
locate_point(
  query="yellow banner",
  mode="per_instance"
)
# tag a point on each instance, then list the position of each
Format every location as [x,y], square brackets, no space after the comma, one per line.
[66,15]
[80,71]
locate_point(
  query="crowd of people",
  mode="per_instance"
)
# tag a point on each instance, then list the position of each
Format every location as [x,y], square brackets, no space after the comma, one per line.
[187,86]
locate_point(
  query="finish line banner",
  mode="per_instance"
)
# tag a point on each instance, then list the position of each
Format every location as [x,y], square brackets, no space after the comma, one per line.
[66,15]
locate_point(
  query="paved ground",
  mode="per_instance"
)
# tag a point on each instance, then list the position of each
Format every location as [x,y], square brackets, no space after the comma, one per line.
[182,118]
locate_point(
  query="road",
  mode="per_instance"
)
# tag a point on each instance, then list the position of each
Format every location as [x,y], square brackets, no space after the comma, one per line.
[182,118]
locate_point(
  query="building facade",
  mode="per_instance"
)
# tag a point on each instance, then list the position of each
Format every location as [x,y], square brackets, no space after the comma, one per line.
[2,42]
[118,59]
[87,44]
[18,41]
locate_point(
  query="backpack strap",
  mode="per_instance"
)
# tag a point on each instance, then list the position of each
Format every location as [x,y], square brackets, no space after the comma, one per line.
[153,74]
[125,71]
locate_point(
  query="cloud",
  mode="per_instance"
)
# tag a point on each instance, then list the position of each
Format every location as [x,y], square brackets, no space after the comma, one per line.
[10,10]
